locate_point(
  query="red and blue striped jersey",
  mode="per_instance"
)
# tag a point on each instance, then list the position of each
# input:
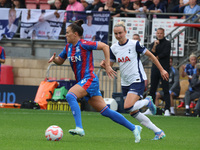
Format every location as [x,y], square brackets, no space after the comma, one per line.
[81,58]
[2,55]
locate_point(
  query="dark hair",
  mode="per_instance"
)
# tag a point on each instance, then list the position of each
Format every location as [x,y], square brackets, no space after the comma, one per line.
[76,27]
[161,29]
[137,3]
[136,35]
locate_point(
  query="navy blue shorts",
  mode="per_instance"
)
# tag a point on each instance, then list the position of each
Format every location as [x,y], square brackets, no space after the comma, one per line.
[135,88]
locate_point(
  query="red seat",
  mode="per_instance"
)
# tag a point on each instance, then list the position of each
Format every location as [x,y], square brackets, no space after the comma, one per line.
[31,6]
[173,17]
[32,1]
[44,6]
[143,1]
[103,1]
[43,1]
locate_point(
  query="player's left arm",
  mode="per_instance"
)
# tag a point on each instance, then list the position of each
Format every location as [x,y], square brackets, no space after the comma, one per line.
[102,46]
[112,60]
[102,64]
[163,72]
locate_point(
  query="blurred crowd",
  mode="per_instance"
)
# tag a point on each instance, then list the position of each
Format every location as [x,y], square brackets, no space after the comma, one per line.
[12,3]
[116,7]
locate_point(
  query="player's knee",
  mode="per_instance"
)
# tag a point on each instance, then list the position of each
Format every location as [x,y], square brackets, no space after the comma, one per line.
[105,111]
[128,109]
[70,96]
[135,113]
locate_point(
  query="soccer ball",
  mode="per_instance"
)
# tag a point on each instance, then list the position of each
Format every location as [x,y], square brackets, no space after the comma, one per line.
[54,133]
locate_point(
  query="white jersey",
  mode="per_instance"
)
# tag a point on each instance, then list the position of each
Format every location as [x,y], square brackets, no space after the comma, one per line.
[128,58]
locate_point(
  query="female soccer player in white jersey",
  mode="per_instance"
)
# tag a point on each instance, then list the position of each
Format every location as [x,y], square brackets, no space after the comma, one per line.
[127,53]
[79,53]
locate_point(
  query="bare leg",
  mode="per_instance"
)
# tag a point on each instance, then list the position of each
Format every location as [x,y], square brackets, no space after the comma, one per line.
[158,96]
[99,104]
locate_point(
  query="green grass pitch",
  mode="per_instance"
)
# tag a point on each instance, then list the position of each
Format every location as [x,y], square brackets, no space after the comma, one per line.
[24,129]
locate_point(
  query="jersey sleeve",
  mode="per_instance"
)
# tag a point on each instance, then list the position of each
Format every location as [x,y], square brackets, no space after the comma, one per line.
[112,56]
[195,71]
[63,54]
[3,55]
[140,48]
[89,45]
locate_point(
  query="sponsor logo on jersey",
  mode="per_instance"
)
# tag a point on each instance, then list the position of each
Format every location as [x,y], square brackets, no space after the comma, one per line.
[123,60]
[75,58]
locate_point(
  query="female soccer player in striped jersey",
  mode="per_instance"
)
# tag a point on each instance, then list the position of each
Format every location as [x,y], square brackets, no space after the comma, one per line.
[79,53]
[127,53]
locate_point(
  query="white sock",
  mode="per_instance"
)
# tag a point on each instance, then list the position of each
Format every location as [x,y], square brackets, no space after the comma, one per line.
[172,110]
[139,104]
[148,112]
[187,107]
[144,120]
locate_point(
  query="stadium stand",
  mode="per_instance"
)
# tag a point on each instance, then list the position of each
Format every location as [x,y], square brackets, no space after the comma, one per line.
[34,4]
[184,84]
[31,4]
[44,4]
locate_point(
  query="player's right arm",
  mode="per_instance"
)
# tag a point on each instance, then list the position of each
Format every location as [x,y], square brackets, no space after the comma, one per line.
[57,60]
[61,57]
